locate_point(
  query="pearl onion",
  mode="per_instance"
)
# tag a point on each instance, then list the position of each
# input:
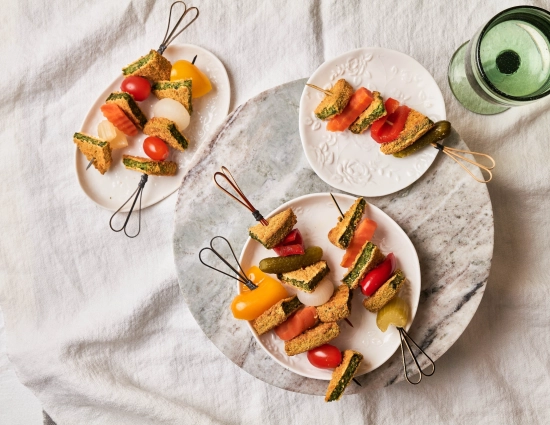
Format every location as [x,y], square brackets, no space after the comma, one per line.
[320,295]
[172,110]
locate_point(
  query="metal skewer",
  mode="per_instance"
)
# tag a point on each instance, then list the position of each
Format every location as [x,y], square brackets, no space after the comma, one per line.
[241,275]
[226,174]
[404,336]
[138,193]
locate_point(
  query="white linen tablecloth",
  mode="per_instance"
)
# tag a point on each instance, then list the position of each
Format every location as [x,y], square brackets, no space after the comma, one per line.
[95,325]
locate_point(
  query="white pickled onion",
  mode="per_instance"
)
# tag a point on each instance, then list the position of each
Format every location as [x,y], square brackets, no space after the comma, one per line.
[322,293]
[172,110]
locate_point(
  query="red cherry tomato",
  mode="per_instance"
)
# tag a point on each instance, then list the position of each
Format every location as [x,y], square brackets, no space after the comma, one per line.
[378,276]
[155,148]
[325,357]
[138,87]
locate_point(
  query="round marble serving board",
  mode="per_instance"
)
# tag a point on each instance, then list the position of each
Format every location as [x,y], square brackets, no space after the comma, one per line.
[446,214]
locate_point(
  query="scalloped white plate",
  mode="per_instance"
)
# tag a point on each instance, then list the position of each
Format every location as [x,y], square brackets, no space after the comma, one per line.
[316,216]
[352,162]
[116,185]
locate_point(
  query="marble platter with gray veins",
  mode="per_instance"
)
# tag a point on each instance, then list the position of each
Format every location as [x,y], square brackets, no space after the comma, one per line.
[446,214]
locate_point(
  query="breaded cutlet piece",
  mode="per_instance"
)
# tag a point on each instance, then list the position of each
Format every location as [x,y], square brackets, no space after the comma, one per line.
[94,148]
[307,278]
[168,131]
[334,103]
[126,102]
[314,337]
[342,233]
[179,90]
[152,66]
[338,307]
[386,292]
[375,110]
[150,166]
[278,227]
[415,126]
[369,257]
[276,315]
[343,374]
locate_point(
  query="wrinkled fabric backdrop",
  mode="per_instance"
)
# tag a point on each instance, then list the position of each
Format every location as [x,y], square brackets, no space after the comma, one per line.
[94,323]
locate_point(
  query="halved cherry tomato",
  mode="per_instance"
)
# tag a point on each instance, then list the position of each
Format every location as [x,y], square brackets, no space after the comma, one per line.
[359,101]
[155,148]
[248,305]
[138,87]
[389,126]
[292,244]
[363,233]
[325,357]
[378,276]
[299,322]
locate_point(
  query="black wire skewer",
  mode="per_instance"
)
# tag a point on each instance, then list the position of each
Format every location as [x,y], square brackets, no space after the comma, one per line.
[169,36]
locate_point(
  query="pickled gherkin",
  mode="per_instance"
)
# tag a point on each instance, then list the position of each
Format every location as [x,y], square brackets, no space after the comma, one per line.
[439,131]
[293,262]
[395,312]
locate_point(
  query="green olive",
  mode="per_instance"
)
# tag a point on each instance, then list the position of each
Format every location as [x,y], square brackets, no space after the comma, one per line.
[291,262]
[439,131]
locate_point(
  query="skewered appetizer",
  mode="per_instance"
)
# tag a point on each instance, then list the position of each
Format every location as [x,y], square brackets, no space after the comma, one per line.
[343,374]
[396,127]
[173,86]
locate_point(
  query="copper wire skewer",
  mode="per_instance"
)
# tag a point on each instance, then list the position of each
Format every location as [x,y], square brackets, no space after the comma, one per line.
[226,174]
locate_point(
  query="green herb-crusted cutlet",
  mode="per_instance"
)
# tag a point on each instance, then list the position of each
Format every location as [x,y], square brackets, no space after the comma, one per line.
[307,278]
[152,66]
[149,166]
[375,110]
[314,337]
[369,257]
[415,126]
[342,233]
[168,131]
[343,374]
[334,103]
[96,149]
[278,227]
[276,315]
[178,90]
[386,292]
[127,103]
[338,307]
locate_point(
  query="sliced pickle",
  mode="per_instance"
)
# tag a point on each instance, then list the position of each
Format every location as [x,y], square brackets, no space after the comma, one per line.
[395,312]
[291,262]
[439,131]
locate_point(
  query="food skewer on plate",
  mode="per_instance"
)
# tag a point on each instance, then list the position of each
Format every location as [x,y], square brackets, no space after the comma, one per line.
[400,130]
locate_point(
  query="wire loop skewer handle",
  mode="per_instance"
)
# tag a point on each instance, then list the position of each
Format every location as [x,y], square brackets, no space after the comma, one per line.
[138,193]
[241,274]
[170,36]
[456,157]
[405,338]
[226,174]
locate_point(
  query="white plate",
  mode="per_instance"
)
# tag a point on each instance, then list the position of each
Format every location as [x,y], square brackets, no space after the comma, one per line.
[352,162]
[116,185]
[316,216]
